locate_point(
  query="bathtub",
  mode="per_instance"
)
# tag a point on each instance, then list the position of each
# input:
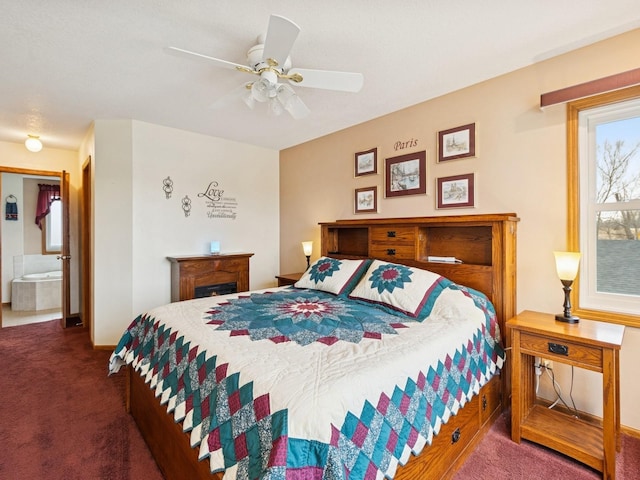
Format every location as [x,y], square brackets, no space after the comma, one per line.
[42,276]
[37,291]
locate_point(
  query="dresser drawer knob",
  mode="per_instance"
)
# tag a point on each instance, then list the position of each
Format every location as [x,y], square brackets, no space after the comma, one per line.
[391,251]
[391,234]
[455,436]
[484,402]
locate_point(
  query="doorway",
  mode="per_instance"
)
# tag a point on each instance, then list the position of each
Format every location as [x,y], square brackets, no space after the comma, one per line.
[35,273]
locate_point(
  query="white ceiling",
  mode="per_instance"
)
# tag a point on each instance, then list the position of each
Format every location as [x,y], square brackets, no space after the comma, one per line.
[64,63]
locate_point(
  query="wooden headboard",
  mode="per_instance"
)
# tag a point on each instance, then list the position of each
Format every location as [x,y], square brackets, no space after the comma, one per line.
[486,245]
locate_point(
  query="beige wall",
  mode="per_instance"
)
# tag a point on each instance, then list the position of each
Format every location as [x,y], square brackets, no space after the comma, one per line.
[520,167]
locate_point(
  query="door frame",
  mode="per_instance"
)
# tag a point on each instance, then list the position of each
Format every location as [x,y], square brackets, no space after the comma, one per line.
[64,181]
[86,266]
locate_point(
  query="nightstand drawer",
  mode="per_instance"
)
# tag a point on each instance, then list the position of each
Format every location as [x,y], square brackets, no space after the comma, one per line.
[580,355]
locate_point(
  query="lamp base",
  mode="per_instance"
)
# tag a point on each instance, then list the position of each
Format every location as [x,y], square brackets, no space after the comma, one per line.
[570,319]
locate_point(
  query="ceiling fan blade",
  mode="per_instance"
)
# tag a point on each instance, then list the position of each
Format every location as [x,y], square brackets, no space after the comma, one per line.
[281,34]
[328,80]
[179,52]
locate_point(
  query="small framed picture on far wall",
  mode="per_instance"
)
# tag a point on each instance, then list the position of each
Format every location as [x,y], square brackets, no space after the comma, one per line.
[456,191]
[459,142]
[366,200]
[366,163]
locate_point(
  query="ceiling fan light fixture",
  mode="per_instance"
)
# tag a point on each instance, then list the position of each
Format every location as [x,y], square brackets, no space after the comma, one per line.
[265,88]
[260,91]
[275,107]
[248,99]
[285,95]
[33,143]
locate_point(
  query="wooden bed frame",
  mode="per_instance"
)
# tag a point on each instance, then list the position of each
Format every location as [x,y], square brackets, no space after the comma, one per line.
[486,245]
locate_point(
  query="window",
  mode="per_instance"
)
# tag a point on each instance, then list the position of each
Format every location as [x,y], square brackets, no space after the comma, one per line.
[52,229]
[604,204]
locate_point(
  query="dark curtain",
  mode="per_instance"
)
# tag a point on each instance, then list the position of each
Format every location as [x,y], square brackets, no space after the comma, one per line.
[47,195]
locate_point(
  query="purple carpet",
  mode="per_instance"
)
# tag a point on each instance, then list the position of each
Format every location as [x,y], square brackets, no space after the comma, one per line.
[61,416]
[498,456]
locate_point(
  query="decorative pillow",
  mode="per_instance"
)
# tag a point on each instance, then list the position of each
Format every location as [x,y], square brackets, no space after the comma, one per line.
[333,275]
[401,288]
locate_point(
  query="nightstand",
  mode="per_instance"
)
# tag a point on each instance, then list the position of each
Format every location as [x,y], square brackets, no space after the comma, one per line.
[589,344]
[288,278]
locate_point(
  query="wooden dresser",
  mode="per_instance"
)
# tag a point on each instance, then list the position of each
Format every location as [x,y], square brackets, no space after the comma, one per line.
[205,275]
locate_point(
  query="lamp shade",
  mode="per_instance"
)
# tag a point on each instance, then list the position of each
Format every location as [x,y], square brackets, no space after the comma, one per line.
[33,143]
[307,247]
[567,264]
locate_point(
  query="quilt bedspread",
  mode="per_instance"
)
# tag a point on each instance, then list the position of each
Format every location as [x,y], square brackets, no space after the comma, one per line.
[300,384]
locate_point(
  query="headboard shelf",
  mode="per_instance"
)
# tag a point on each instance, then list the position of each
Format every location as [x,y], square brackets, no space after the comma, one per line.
[485,244]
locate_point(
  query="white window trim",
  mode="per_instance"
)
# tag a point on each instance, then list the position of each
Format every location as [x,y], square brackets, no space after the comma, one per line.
[590,298]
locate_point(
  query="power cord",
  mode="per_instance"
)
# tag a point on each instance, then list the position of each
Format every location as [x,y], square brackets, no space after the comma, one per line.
[539,366]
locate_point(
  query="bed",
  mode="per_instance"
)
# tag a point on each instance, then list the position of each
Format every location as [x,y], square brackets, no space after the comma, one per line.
[371,366]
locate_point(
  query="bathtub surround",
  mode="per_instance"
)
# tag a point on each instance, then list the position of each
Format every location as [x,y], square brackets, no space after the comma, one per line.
[37,291]
[37,283]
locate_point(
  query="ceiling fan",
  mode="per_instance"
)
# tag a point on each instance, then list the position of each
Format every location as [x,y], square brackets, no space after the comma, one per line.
[270,61]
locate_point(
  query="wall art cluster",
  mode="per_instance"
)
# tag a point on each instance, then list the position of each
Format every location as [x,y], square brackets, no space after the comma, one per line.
[406,174]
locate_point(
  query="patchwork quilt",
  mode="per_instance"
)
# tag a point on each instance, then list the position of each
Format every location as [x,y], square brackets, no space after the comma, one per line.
[296,383]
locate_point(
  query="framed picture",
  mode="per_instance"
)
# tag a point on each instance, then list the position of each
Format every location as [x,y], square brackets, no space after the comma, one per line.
[406,174]
[459,142]
[367,162]
[456,191]
[366,200]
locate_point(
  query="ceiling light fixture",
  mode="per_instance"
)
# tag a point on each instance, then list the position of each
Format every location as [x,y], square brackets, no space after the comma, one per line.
[33,143]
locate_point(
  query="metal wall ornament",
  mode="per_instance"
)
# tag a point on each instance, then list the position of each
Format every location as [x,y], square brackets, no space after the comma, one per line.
[186,205]
[167,186]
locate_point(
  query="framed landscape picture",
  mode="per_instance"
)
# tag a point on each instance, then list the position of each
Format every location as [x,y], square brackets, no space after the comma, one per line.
[406,174]
[459,142]
[456,191]
[366,200]
[366,162]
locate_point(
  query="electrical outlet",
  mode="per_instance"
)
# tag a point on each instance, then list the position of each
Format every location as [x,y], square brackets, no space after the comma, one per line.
[547,364]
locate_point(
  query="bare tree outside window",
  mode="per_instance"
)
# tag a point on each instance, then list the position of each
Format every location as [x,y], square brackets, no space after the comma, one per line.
[618,218]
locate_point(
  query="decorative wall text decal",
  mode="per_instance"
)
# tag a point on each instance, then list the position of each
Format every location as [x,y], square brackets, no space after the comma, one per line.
[212,192]
[406,144]
[219,205]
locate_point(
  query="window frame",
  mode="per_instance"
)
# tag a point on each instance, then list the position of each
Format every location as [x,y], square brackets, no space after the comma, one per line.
[573,191]
[46,250]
